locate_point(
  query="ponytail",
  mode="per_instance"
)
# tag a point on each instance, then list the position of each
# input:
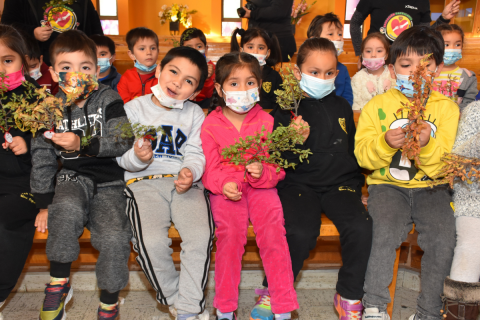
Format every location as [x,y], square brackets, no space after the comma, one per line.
[270,40]
[275,52]
[234,46]
[215,102]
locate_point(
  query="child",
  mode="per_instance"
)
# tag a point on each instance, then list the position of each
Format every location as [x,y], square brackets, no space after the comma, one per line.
[37,69]
[330,27]
[89,187]
[106,56]
[462,288]
[330,182]
[464,82]
[374,78]
[17,216]
[164,186]
[195,38]
[258,43]
[143,49]
[399,191]
[235,200]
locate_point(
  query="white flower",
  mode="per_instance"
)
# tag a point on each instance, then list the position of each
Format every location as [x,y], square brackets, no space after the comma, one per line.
[174,18]
[160,14]
[164,7]
[186,7]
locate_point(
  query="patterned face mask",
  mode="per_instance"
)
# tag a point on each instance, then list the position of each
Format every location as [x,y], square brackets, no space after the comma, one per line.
[339,46]
[78,83]
[261,58]
[451,56]
[35,73]
[241,101]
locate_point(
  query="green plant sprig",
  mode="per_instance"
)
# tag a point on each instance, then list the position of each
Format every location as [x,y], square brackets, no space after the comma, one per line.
[289,98]
[140,131]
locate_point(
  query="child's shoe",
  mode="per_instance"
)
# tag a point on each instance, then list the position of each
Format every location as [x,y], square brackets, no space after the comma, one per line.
[374,314]
[205,315]
[234,317]
[108,311]
[57,294]
[413,317]
[347,310]
[262,309]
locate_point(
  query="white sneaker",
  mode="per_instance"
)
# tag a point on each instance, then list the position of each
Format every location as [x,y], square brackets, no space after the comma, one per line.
[205,315]
[413,317]
[375,314]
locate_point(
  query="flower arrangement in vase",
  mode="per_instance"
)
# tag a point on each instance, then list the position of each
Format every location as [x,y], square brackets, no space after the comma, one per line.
[176,14]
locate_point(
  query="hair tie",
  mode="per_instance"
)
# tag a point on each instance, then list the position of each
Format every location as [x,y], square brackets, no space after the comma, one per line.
[241,32]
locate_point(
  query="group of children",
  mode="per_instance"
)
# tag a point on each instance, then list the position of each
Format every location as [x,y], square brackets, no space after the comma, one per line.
[124,190]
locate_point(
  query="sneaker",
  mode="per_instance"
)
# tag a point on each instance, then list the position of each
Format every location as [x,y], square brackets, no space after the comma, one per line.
[57,295]
[234,318]
[413,317]
[262,309]
[346,310]
[205,315]
[108,311]
[374,314]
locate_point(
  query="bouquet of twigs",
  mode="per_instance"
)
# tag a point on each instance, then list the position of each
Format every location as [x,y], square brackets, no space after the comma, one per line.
[289,98]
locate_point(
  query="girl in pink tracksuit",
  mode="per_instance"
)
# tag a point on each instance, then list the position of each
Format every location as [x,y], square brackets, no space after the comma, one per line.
[235,199]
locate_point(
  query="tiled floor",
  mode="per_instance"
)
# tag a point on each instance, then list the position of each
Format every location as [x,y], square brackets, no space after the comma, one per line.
[141,305]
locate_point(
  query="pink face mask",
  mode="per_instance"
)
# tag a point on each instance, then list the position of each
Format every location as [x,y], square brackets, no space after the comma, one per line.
[374,63]
[14,80]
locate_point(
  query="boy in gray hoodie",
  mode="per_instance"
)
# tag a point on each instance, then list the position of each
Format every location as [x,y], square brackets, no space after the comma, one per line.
[89,187]
[164,186]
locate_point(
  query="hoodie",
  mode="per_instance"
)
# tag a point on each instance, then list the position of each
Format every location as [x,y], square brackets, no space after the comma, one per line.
[46,80]
[112,79]
[133,85]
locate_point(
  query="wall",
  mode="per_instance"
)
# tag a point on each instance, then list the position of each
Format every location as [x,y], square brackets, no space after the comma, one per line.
[320,8]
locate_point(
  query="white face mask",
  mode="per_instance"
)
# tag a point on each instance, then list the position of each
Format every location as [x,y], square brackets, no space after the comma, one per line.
[165,100]
[261,58]
[241,101]
[203,52]
[339,46]
[35,73]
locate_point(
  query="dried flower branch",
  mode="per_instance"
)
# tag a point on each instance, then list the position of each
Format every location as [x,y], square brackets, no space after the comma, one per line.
[457,167]
[289,98]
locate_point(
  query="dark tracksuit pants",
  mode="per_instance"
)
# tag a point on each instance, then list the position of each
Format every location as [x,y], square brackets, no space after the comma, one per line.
[302,208]
[17,228]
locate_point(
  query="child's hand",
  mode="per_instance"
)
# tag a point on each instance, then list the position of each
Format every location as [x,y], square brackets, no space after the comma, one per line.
[41,220]
[18,146]
[302,127]
[255,169]
[184,181]
[395,138]
[230,190]
[425,134]
[67,140]
[210,70]
[145,153]
[364,200]
[451,10]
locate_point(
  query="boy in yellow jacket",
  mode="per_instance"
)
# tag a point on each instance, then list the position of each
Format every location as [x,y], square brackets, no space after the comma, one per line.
[399,193]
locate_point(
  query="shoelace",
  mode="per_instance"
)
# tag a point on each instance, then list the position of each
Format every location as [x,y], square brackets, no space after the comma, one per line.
[53,297]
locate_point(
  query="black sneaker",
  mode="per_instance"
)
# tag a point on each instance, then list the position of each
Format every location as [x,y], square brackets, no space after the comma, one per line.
[56,298]
[107,313]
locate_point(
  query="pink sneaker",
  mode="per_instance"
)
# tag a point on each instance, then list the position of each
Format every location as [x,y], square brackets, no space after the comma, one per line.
[347,311]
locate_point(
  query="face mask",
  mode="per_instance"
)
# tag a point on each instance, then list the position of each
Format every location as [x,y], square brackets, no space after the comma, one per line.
[35,73]
[143,67]
[373,63]
[241,101]
[78,83]
[316,88]
[451,56]
[339,46]
[165,100]
[261,58]
[14,80]
[405,85]
[104,64]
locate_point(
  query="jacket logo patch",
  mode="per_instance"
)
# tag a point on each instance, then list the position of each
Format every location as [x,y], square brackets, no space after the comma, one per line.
[267,87]
[67,177]
[342,124]
[346,189]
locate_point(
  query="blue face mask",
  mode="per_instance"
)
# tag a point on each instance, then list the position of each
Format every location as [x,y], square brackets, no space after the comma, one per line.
[104,64]
[317,88]
[451,56]
[143,67]
[405,85]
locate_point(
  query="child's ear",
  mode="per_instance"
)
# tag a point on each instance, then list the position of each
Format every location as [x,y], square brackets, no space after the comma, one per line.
[268,54]
[392,71]
[53,74]
[206,50]
[194,95]
[336,73]
[218,87]
[112,59]
[131,55]
[98,72]
[157,71]
[439,69]
[41,60]
[297,73]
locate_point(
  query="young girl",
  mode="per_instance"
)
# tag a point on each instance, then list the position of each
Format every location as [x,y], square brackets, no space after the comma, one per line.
[234,199]
[462,288]
[331,181]
[464,82]
[18,213]
[374,78]
[258,43]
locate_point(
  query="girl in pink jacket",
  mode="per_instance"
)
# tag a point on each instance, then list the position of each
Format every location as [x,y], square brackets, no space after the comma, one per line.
[234,199]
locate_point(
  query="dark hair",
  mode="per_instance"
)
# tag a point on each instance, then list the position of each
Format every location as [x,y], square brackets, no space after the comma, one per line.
[316,26]
[192,33]
[228,64]
[420,40]
[252,33]
[31,44]
[140,33]
[13,40]
[315,44]
[73,41]
[447,28]
[104,41]
[383,40]
[191,54]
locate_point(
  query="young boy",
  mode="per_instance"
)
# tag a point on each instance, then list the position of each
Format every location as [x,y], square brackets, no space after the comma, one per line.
[89,188]
[330,27]
[106,56]
[165,186]
[143,49]
[399,190]
[37,69]
[195,38]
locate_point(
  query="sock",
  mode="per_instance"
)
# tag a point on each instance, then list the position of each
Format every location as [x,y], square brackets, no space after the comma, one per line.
[226,315]
[109,298]
[351,301]
[60,270]
[283,316]
[58,281]
[185,316]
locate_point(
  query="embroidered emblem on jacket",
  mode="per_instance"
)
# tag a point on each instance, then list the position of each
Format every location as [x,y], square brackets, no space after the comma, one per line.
[342,124]
[267,87]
